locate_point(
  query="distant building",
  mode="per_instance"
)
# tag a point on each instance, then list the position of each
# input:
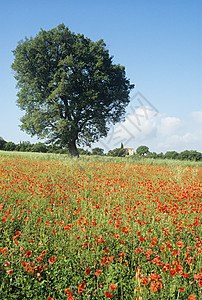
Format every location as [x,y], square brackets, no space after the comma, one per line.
[129,151]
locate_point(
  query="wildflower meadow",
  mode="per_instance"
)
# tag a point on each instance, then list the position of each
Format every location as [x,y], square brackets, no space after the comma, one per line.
[79,229]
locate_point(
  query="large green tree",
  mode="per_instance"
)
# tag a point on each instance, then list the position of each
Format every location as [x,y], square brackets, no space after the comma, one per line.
[142,150]
[69,87]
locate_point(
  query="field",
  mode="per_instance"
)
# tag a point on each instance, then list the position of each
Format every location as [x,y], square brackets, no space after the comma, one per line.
[99,229]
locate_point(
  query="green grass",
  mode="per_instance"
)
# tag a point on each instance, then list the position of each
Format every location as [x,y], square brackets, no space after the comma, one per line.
[88,158]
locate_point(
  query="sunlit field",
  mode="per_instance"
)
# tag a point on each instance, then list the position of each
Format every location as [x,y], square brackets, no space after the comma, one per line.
[99,229]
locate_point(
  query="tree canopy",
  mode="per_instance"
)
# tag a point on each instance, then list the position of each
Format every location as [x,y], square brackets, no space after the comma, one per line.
[69,87]
[142,150]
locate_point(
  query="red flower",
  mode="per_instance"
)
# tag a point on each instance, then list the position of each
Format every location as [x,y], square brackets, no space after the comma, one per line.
[144,281]
[87,271]
[82,285]
[182,289]
[191,297]
[153,287]
[9,272]
[108,295]
[52,260]
[180,244]
[98,272]
[80,290]
[113,286]
[24,264]
[29,253]
[172,272]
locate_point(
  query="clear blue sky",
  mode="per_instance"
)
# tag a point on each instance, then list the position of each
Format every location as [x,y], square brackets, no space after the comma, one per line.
[158,41]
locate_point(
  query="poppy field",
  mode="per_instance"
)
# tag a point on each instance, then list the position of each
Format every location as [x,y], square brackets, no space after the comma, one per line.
[99,230]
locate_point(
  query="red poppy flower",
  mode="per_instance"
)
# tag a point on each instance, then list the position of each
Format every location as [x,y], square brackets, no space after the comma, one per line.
[172,272]
[191,297]
[153,287]
[82,285]
[144,281]
[87,271]
[108,295]
[24,264]
[113,286]
[29,253]
[98,272]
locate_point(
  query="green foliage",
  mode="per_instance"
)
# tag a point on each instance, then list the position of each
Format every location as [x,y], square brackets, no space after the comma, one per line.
[119,152]
[152,155]
[39,147]
[142,150]
[69,87]
[98,151]
[171,155]
[190,155]
[2,143]
[83,152]
[10,146]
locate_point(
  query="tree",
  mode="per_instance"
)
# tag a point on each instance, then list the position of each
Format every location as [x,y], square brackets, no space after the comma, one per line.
[195,155]
[120,152]
[142,150]
[152,155]
[39,147]
[2,143]
[69,88]
[160,155]
[184,155]
[10,146]
[171,155]
[97,151]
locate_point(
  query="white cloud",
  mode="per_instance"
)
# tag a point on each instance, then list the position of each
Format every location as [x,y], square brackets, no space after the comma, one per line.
[169,126]
[159,132]
[140,125]
[197,116]
[188,141]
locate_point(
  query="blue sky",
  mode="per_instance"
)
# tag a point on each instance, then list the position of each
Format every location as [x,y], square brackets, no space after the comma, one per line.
[160,44]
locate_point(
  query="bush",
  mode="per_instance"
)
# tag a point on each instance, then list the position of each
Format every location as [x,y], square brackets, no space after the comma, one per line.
[119,152]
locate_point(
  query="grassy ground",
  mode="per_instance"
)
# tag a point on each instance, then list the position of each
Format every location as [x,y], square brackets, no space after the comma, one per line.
[86,158]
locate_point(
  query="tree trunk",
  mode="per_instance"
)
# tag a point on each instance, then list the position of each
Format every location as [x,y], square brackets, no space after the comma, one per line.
[73,151]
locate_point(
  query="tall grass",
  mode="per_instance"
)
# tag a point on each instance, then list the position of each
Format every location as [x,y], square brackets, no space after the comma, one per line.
[104,159]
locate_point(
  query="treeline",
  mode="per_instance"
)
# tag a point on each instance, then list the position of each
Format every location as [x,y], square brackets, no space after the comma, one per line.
[141,152]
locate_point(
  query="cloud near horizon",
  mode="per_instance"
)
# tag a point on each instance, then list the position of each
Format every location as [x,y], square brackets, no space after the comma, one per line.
[159,132]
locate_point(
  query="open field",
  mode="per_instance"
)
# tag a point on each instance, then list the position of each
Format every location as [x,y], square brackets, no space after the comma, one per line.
[99,228]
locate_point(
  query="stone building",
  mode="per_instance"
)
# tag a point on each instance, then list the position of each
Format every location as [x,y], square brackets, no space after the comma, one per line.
[129,150]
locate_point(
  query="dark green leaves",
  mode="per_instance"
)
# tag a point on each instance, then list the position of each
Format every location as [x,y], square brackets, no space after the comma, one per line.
[68,86]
